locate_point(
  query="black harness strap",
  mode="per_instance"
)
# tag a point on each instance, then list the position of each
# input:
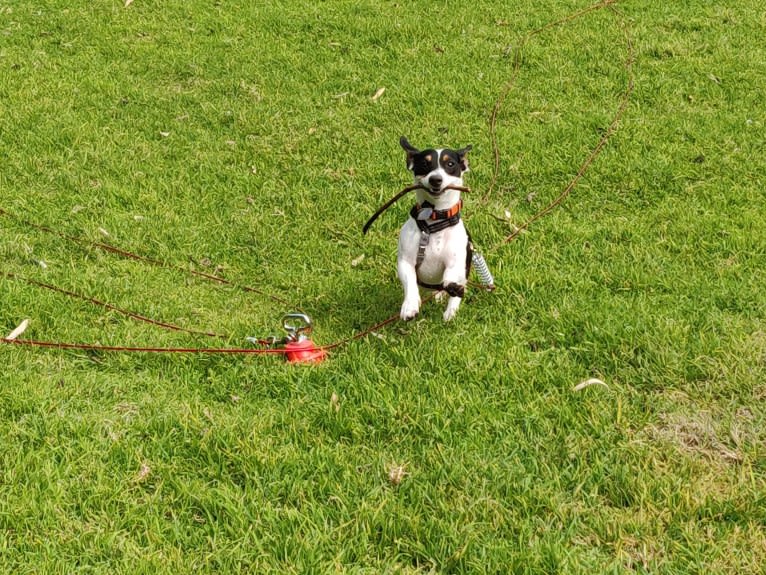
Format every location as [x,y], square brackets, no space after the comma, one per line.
[430,221]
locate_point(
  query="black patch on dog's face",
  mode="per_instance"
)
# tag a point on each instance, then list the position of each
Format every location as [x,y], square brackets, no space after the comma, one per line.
[451,162]
[422,163]
[425,162]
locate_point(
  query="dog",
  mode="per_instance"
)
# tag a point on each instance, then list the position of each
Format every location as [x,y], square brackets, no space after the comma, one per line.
[434,246]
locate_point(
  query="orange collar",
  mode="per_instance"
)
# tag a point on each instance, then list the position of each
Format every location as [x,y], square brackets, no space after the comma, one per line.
[441,214]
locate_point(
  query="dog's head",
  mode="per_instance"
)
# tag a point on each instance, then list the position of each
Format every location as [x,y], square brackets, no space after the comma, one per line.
[436,168]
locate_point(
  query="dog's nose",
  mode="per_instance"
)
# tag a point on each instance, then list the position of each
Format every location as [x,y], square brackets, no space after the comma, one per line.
[435,182]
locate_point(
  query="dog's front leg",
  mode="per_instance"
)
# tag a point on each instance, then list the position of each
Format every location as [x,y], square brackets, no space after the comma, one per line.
[409,240]
[456,292]
[409,278]
[454,282]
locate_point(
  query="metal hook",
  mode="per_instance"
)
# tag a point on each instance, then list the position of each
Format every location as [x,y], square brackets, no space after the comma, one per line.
[297,325]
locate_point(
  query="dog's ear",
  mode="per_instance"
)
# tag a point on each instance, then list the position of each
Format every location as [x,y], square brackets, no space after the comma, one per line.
[462,155]
[410,149]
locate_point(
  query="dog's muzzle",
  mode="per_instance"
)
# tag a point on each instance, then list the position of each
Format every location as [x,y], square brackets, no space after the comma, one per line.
[435,185]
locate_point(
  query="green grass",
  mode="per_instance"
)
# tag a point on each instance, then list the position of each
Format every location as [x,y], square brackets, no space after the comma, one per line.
[243,137]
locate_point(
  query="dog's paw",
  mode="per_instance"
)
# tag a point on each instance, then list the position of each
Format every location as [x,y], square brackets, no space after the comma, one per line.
[449,313]
[451,310]
[440,296]
[409,310]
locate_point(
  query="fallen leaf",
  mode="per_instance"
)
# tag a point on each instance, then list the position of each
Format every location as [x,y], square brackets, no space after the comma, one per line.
[22,327]
[164,134]
[356,261]
[378,94]
[128,3]
[143,473]
[335,402]
[103,232]
[396,474]
[588,382]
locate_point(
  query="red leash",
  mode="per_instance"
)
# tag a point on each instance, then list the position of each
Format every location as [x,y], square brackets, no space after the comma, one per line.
[297,351]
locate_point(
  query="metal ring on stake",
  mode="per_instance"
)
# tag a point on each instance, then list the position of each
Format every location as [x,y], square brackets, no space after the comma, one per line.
[300,349]
[297,326]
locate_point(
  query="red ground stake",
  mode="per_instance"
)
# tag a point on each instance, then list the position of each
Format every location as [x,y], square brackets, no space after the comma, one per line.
[304,351]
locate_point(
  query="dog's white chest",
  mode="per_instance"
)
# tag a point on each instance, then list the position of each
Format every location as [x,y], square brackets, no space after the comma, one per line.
[444,249]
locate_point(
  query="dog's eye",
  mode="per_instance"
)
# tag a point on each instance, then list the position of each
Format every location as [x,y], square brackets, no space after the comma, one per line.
[451,164]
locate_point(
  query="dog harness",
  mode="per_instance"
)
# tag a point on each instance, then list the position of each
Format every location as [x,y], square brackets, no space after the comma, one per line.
[430,221]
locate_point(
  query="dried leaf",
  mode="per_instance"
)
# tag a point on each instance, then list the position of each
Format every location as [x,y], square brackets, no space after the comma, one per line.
[143,473]
[378,94]
[396,474]
[22,327]
[335,402]
[356,261]
[588,382]
[103,232]
[128,3]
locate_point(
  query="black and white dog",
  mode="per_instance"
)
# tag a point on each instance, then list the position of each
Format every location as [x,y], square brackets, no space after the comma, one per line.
[434,247]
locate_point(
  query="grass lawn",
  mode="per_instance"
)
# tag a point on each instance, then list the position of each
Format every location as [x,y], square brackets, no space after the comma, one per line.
[252,140]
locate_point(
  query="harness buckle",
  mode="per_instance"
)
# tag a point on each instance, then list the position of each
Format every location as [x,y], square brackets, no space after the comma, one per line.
[425,213]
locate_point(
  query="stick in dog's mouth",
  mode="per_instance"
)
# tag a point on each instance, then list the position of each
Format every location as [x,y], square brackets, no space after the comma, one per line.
[438,193]
[406,190]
